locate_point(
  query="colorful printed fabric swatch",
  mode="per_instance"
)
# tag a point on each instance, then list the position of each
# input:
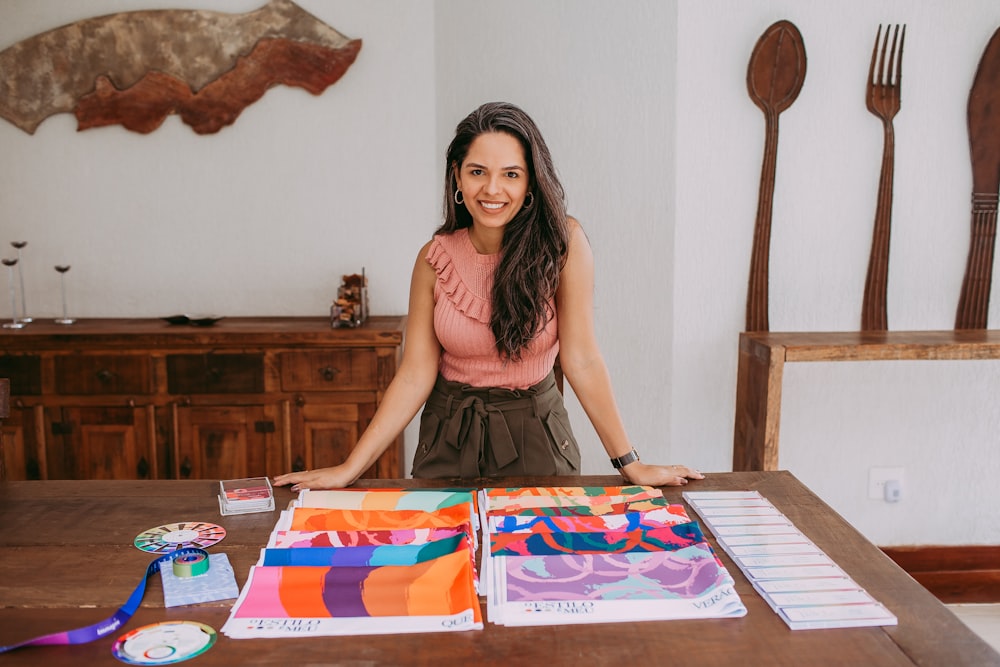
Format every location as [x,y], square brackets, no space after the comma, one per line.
[593,588]
[626,521]
[297,539]
[374,499]
[409,554]
[316,519]
[584,501]
[631,576]
[576,491]
[667,538]
[439,587]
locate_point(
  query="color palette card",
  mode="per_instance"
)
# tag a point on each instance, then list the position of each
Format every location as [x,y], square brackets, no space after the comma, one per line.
[803,585]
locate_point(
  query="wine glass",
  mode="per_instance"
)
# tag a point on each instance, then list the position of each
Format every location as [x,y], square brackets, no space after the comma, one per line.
[20,277]
[62,269]
[14,324]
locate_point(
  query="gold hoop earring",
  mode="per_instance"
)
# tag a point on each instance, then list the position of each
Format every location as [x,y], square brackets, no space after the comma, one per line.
[529,200]
[459,199]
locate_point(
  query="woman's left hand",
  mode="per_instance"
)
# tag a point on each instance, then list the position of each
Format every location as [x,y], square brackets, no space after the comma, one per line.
[654,475]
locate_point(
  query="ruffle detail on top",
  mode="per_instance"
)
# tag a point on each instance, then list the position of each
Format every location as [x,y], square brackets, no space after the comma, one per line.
[461,275]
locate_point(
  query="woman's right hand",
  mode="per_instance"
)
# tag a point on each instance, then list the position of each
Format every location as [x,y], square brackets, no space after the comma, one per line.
[336,477]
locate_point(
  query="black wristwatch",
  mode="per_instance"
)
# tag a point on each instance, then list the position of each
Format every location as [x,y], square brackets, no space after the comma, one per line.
[623,461]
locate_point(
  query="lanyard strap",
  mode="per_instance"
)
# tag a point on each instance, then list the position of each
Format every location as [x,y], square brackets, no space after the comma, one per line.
[116,621]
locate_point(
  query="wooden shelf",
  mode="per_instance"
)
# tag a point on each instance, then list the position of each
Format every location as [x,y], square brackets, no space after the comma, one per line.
[763,355]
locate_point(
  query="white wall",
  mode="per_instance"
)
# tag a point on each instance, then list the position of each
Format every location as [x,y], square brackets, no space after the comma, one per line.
[644,106]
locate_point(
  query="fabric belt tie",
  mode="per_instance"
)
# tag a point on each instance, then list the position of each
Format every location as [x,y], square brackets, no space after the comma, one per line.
[466,432]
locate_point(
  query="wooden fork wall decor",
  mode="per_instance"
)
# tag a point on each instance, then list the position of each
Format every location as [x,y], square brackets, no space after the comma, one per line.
[774,78]
[882,96]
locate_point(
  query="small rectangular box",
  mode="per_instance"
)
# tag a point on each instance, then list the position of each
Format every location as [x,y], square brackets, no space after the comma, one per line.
[244,496]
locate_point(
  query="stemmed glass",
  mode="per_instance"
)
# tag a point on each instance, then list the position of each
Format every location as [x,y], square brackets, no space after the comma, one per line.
[14,324]
[20,277]
[62,269]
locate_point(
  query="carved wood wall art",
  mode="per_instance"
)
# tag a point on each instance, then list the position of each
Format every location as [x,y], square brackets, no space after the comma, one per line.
[984,148]
[136,68]
[775,75]
[883,97]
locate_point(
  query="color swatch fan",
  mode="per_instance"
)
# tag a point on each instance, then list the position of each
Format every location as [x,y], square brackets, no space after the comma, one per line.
[173,536]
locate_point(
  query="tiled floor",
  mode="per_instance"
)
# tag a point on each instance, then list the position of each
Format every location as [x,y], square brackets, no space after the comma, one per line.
[984,619]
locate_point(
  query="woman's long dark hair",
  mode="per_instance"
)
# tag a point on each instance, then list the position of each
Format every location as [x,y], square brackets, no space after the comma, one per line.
[534,243]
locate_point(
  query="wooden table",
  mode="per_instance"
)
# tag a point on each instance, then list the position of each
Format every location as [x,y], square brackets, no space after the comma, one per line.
[763,356]
[67,560]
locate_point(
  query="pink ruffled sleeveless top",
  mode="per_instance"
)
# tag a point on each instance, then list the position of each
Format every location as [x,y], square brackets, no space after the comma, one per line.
[462,309]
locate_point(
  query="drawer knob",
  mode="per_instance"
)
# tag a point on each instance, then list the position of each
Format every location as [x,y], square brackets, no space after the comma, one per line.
[105,376]
[329,373]
[186,468]
[299,464]
[62,428]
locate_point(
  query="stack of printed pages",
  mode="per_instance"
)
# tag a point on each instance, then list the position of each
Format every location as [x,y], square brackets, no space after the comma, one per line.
[597,555]
[801,583]
[352,562]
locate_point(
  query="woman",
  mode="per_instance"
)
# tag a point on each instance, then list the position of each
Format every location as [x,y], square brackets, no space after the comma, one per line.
[505,285]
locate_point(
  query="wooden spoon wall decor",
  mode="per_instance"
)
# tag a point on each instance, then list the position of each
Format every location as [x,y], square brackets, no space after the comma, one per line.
[775,75]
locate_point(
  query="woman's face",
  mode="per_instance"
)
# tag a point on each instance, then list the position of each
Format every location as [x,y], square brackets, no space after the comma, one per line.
[493,179]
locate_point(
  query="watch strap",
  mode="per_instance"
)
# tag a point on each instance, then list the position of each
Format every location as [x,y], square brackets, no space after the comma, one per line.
[623,461]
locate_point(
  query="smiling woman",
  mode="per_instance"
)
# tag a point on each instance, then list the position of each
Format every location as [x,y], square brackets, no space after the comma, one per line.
[503,288]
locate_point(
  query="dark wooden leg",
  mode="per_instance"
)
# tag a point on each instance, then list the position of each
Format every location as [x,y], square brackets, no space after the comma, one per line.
[758,406]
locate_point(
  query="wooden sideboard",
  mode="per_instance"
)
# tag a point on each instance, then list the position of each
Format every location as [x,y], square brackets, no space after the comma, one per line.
[144,399]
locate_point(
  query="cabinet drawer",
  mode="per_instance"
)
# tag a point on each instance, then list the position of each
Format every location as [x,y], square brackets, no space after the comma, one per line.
[24,373]
[323,370]
[103,374]
[215,373]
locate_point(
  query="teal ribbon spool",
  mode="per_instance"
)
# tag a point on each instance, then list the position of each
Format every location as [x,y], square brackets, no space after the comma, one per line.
[190,565]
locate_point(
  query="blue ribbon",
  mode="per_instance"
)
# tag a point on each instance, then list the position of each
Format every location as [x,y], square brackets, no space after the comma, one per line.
[116,621]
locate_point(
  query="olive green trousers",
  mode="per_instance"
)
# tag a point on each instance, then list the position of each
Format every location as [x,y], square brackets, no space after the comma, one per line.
[470,432]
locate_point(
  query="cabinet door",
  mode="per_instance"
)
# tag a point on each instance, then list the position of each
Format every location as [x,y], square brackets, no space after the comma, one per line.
[226,442]
[100,442]
[324,433]
[19,446]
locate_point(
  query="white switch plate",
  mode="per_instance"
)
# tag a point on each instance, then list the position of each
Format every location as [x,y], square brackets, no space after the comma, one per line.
[877,477]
